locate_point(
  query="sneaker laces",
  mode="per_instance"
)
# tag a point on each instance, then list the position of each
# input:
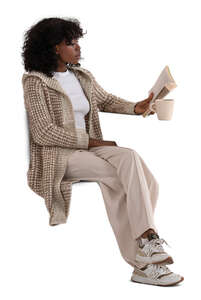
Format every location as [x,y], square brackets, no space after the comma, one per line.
[154,245]
[156,270]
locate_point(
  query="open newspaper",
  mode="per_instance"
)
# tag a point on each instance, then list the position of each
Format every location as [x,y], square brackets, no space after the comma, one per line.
[164,84]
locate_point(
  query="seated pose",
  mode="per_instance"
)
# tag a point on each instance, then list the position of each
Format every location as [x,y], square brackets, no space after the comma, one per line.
[62,102]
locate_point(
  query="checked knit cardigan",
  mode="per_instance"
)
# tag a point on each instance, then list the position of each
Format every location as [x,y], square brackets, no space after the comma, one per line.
[52,139]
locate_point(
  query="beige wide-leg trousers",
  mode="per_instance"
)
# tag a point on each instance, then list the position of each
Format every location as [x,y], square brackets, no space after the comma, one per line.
[129,190]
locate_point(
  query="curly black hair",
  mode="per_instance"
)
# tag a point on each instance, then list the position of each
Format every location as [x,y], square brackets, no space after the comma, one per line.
[38,51]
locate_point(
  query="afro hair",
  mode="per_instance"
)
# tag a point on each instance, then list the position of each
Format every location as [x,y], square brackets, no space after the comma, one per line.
[38,51]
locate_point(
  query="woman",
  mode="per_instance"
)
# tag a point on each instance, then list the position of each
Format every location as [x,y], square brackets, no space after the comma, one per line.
[62,101]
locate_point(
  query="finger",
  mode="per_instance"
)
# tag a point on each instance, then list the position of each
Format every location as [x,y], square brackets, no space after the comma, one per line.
[150,98]
[151,95]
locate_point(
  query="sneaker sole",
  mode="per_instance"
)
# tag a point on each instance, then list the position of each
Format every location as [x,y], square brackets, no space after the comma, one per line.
[150,260]
[167,261]
[143,280]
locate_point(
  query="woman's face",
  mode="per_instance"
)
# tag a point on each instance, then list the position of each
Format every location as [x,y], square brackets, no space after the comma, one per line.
[68,53]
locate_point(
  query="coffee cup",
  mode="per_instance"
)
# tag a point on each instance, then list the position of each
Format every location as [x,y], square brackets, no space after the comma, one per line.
[163,108]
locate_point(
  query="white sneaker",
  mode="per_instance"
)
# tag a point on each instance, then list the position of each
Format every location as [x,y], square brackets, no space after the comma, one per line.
[150,251]
[156,274]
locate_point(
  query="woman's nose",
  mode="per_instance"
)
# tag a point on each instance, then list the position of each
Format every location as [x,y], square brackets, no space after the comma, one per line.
[78,47]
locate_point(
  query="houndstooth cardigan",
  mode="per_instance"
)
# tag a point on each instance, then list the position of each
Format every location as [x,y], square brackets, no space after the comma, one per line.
[52,140]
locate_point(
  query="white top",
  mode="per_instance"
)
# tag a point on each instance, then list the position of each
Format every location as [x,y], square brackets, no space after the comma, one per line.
[73,89]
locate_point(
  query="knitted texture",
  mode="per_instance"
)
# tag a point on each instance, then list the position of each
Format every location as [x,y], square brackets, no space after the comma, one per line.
[52,139]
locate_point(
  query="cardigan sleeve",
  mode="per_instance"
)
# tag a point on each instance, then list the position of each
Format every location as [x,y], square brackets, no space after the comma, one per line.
[108,102]
[43,130]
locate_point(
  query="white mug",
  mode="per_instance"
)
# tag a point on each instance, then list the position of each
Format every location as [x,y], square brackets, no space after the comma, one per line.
[163,108]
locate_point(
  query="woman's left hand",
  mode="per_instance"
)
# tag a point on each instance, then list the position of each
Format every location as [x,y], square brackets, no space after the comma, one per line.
[143,105]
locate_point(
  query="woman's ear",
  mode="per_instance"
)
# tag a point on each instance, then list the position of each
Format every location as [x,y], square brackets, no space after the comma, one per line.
[56,49]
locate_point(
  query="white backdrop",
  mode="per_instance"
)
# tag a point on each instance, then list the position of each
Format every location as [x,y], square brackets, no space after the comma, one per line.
[127,45]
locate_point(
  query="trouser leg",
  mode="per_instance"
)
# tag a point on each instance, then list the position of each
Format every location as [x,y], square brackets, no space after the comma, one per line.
[116,207]
[86,165]
[139,185]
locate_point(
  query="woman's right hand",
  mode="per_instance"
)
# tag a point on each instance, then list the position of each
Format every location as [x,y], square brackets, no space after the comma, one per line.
[98,143]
